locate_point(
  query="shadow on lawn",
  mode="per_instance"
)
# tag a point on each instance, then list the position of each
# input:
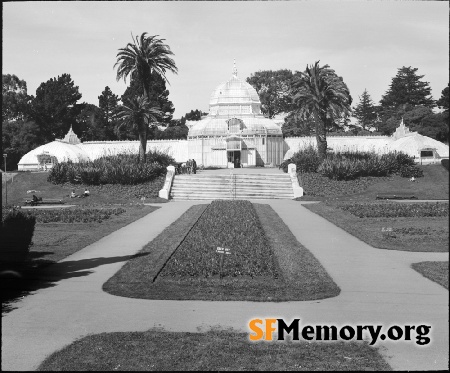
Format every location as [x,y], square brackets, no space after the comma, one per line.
[40,274]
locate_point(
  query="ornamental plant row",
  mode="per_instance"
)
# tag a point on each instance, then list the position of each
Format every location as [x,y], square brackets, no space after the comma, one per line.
[231,225]
[350,165]
[74,216]
[397,210]
[116,169]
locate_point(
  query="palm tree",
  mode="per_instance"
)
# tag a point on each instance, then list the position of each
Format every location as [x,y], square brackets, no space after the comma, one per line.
[323,96]
[139,59]
[138,113]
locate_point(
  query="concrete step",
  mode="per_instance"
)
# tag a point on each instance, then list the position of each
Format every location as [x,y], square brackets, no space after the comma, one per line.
[223,186]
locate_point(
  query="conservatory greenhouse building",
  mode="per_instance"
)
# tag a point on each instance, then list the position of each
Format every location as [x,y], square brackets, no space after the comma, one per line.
[234,134]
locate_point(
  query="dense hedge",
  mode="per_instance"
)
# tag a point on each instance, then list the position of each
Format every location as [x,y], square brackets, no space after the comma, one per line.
[86,215]
[16,235]
[350,165]
[119,169]
[397,210]
[227,224]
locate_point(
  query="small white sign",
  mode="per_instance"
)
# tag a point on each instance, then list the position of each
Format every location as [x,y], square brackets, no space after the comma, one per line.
[222,250]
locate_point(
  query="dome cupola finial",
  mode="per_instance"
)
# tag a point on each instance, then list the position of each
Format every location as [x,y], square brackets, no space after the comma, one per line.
[234,68]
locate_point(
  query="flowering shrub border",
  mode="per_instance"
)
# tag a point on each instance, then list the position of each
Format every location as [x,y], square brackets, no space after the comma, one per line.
[396,210]
[85,215]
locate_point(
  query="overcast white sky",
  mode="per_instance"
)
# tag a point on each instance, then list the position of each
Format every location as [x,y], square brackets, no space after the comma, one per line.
[364,42]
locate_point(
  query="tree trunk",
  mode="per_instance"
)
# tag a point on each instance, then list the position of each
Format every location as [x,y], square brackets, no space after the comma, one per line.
[321,138]
[143,142]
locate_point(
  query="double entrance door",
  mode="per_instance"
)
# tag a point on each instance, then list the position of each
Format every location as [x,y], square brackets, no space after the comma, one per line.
[234,158]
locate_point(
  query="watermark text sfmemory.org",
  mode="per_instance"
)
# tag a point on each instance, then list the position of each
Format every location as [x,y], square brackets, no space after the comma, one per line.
[278,329]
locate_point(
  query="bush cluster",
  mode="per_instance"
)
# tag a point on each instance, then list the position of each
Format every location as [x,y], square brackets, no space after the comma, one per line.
[410,171]
[118,169]
[87,215]
[350,165]
[306,160]
[16,235]
[397,210]
[227,224]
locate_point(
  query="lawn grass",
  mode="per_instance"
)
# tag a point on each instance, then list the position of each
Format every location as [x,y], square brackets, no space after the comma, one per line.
[301,276]
[433,185]
[157,350]
[435,271]
[55,241]
[424,234]
[99,195]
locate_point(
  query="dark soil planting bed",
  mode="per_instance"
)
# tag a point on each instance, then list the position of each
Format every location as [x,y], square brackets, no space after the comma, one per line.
[262,261]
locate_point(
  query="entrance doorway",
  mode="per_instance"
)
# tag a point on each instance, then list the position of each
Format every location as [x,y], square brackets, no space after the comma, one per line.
[234,159]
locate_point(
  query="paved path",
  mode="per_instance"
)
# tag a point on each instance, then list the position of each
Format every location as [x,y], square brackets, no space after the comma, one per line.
[378,287]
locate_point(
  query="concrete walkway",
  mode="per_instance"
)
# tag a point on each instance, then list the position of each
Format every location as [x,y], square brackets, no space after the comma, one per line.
[378,287]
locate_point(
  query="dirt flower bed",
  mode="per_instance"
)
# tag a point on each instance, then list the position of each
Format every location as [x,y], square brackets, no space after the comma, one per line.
[266,262]
[396,210]
[227,224]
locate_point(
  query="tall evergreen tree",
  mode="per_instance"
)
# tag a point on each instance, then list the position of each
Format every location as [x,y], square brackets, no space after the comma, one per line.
[443,102]
[108,104]
[407,90]
[364,112]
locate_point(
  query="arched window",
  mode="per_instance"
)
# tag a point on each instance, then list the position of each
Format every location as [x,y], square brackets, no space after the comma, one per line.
[235,125]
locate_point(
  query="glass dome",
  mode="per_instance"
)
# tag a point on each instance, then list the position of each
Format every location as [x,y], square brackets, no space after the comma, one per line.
[234,97]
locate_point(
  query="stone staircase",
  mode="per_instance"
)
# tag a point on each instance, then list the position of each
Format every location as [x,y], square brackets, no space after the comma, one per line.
[232,186]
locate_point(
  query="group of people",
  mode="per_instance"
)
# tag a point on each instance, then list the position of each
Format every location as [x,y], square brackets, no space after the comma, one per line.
[74,195]
[190,167]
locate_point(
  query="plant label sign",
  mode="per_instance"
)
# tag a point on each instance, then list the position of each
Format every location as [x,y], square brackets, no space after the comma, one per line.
[222,250]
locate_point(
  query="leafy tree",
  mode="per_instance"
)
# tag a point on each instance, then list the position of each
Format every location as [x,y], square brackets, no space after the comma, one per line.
[436,126]
[55,108]
[274,90]
[193,115]
[14,97]
[365,111]
[293,127]
[18,138]
[91,124]
[138,113]
[146,55]
[443,102]
[323,96]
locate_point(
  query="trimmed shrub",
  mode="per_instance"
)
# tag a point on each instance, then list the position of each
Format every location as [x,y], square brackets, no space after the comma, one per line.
[410,171]
[122,169]
[306,160]
[350,165]
[16,235]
